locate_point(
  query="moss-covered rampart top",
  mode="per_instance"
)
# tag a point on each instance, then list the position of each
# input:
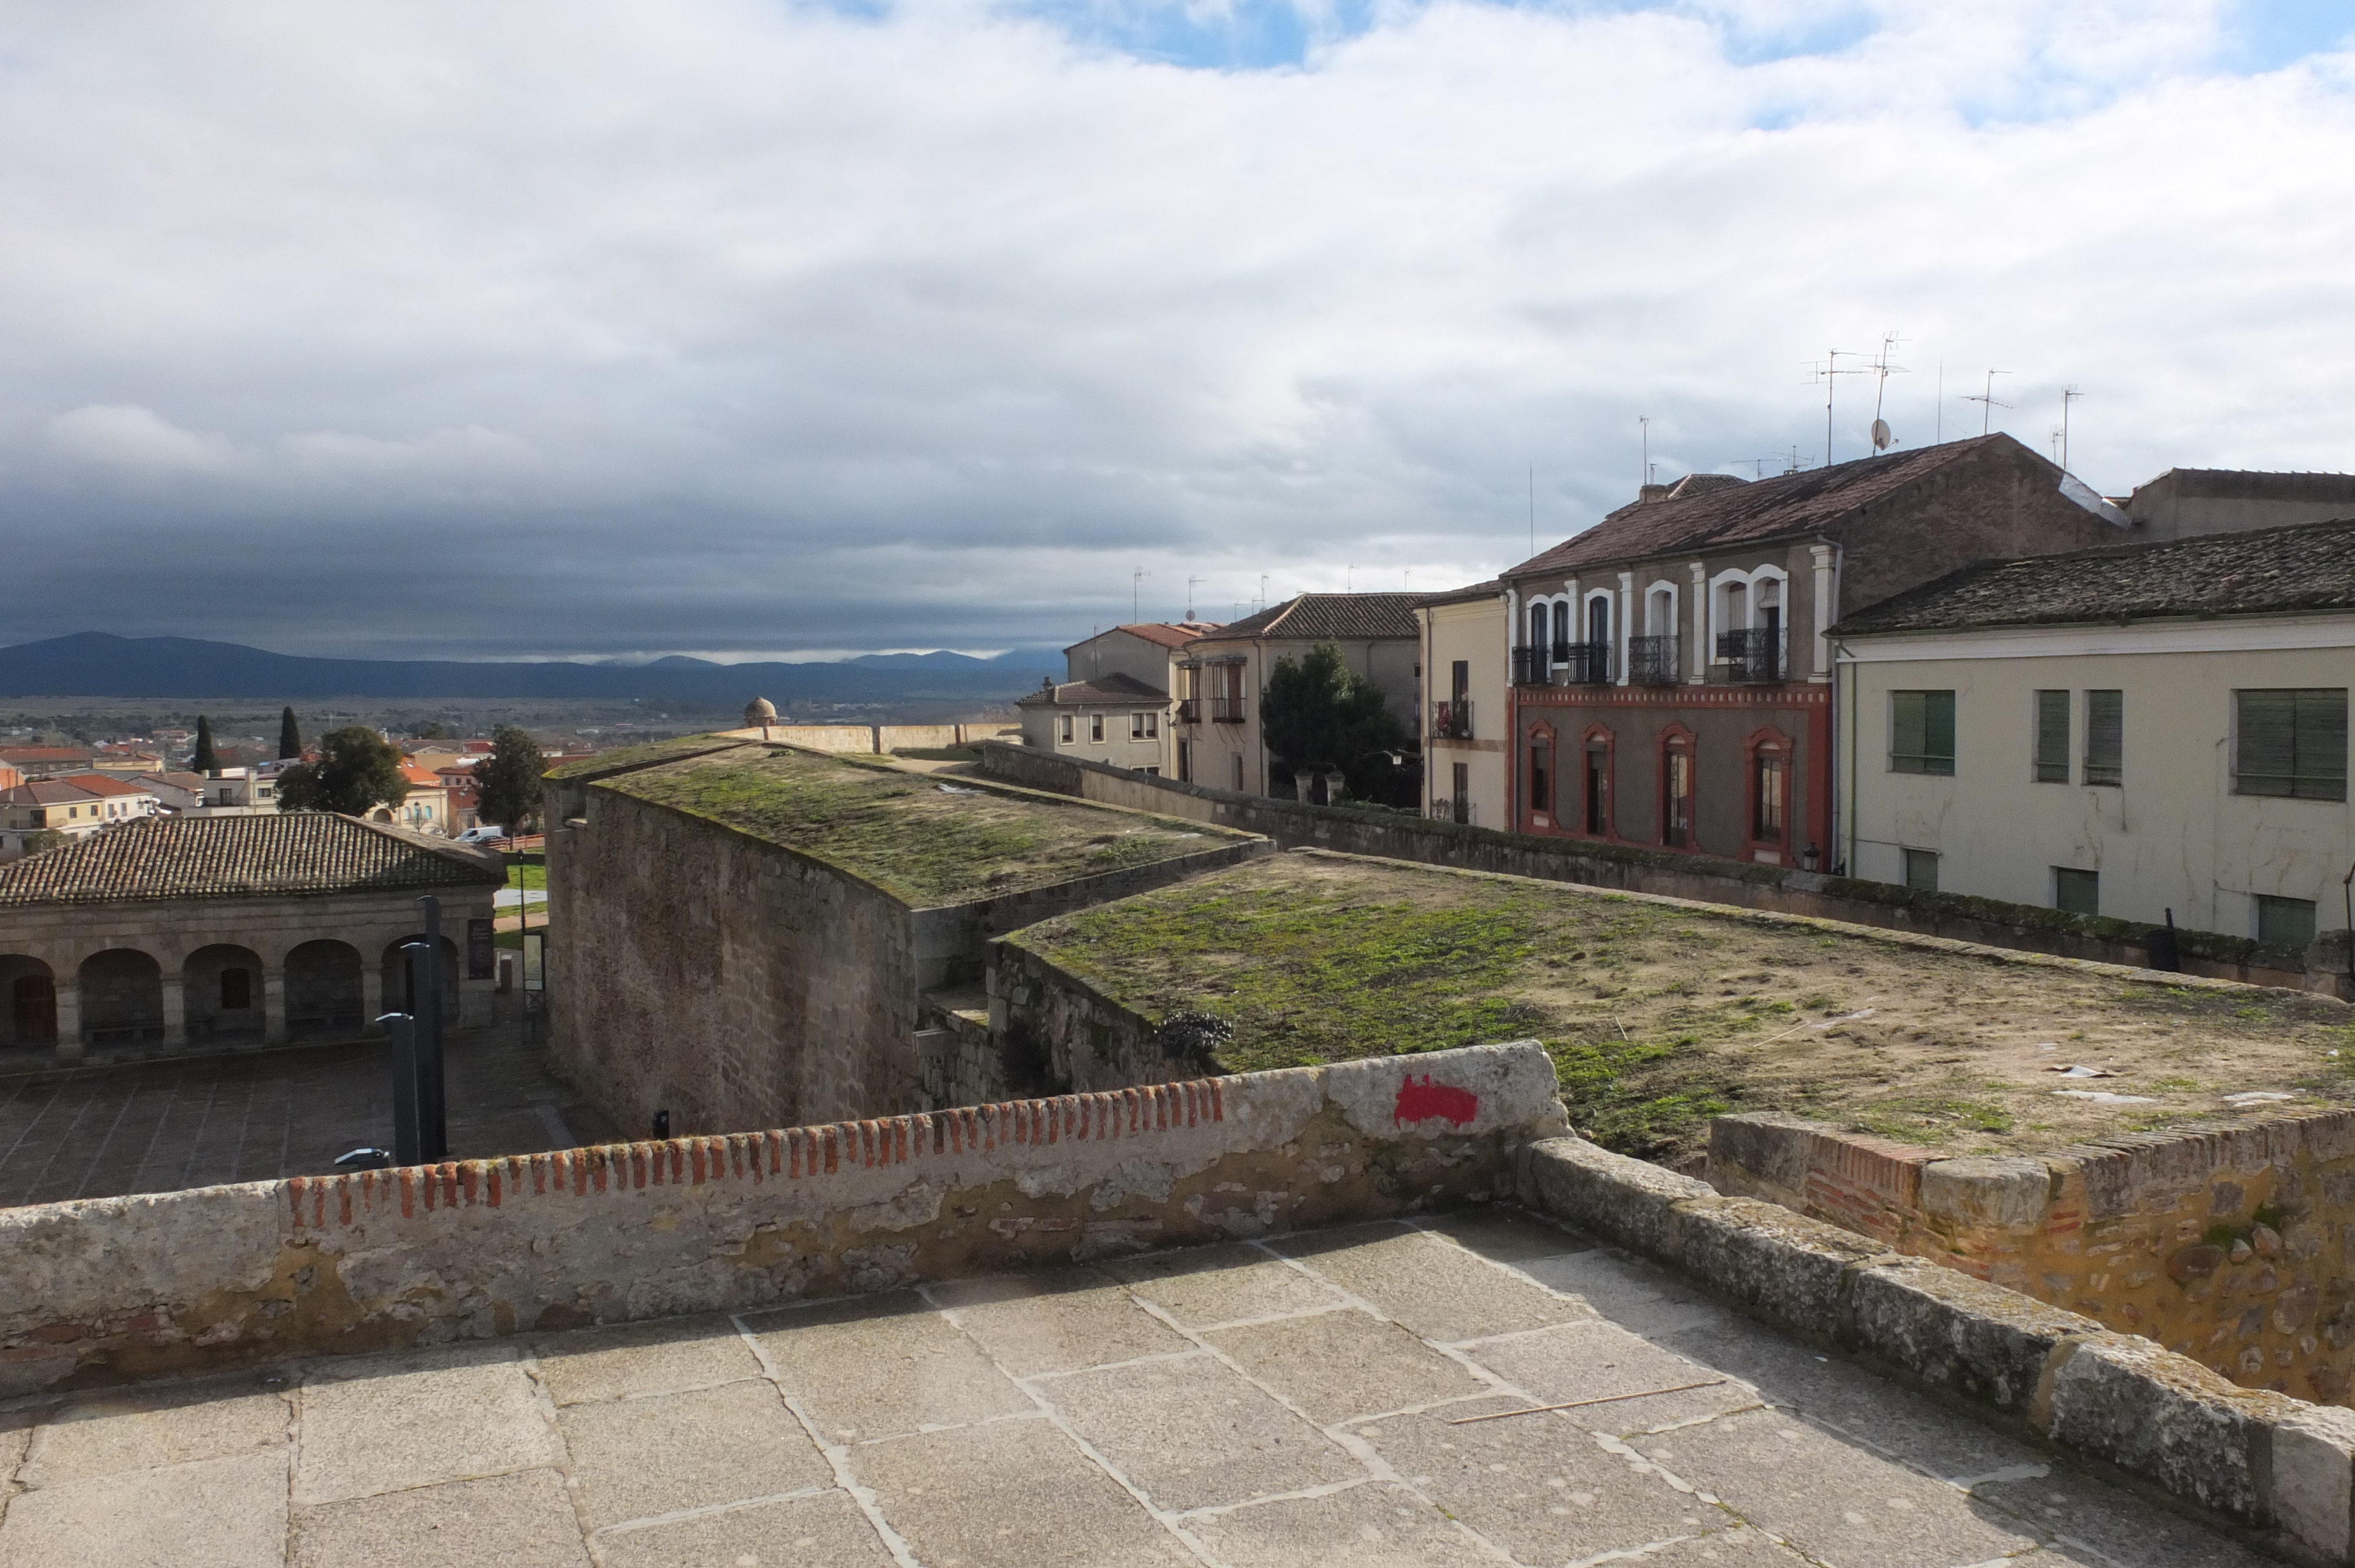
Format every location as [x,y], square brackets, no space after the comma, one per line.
[1660,1016]
[925,840]
[624,758]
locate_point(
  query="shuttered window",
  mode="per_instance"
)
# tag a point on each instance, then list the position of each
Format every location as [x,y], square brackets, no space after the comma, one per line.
[2105,738]
[2285,922]
[1921,731]
[2077,892]
[2291,742]
[2052,738]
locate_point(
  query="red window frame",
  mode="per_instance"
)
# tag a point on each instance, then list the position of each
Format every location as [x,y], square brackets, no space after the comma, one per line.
[1675,741]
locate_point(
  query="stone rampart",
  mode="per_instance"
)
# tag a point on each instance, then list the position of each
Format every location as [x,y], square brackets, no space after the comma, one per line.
[1374,831]
[2228,1244]
[2278,1467]
[106,1288]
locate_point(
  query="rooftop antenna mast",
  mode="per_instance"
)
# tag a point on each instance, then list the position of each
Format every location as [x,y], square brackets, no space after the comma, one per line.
[1758,464]
[2068,396]
[1828,373]
[1882,371]
[1986,400]
[1645,422]
[1191,584]
[1533,509]
[1136,594]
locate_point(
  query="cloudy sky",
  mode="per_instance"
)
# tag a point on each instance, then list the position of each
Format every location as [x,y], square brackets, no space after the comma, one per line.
[585,328]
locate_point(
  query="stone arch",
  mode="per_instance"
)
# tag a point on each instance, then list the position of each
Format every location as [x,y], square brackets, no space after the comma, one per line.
[121,997]
[28,1002]
[220,987]
[325,997]
[397,997]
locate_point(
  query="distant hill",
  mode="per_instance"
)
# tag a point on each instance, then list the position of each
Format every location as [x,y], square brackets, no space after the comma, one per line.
[99,664]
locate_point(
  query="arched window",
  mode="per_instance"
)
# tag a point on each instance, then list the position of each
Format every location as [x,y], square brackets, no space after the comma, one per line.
[1595,781]
[1677,786]
[1770,794]
[1541,770]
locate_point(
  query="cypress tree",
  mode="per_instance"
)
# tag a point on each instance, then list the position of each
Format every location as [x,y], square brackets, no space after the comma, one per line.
[290,736]
[207,759]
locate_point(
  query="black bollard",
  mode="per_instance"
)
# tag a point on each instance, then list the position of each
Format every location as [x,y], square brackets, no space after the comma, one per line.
[408,1145]
[662,1123]
[2160,950]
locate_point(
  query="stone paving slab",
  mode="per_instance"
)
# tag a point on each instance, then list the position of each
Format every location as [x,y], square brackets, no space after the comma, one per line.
[1304,1402]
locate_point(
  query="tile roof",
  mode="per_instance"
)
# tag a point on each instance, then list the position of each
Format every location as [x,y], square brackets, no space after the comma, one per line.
[2310,566]
[46,792]
[43,754]
[1319,617]
[1115,688]
[1493,588]
[1162,633]
[229,857]
[102,784]
[1739,513]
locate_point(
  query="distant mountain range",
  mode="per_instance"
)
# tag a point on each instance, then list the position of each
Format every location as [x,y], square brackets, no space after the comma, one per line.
[99,664]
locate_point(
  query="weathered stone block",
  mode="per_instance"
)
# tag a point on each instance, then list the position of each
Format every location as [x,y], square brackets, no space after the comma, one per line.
[2126,1401]
[1762,1155]
[2314,1481]
[1983,1341]
[1607,1194]
[1767,1258]
[2004,1191]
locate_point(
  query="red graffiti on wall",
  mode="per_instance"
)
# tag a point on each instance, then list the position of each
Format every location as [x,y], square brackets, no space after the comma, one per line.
[1420,1102]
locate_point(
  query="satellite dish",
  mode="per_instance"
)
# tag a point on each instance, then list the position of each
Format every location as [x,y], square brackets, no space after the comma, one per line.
[1881,437]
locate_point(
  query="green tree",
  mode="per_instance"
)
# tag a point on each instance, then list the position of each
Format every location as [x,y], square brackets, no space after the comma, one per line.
[1318,713]
[289,736]
[433,732]
[358,771]
[507,783]
[207,759]
[46,839]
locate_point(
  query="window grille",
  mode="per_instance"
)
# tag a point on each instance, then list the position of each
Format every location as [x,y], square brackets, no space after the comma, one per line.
[2052,738]
[2291,742]
[1921,870]
[2105,720]
[1921,731]
[2076,892]
[2285,922]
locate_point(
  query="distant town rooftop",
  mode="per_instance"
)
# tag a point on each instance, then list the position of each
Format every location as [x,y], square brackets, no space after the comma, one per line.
[924,839]
[251,856]
[2305,568]
[1660,1014]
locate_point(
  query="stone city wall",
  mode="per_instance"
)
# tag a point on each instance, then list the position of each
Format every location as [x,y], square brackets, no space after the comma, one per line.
[1353,829]
[2275,1467]
[102,1289]
[2234,1245]
[869,739]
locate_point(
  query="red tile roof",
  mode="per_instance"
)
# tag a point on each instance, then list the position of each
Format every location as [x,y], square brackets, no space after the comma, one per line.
[1323,617]
[101,784]
[244,856]
[46,792]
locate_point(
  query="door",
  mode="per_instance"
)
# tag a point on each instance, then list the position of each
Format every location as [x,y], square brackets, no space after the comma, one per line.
[36,1009]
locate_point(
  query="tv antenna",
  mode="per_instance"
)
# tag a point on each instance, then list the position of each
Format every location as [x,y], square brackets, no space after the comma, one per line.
[2068,396]
[1533,509]
[1827,372]
[1191,584]
[1986,400]
[1643,421]
[1136,594]
[1758,464]
[1882,370]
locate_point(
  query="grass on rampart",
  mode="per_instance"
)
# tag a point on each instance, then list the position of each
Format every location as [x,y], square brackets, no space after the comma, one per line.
[1660,1017]
[925,840]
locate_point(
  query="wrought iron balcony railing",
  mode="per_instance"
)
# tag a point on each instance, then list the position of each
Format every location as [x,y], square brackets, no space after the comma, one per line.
[1652,661]
[1588,663]
[1531,667]
[1226,710]
[1754,657]
[1452,720]
[1189,710]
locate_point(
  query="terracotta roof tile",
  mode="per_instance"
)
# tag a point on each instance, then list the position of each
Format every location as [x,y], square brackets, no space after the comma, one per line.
[1320,617]
[1162,633]
[2310,566]
[1115,688]
[228,857]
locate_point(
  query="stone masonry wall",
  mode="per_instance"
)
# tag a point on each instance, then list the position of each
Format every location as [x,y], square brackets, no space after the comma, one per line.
[2234,1245]
[108,1288]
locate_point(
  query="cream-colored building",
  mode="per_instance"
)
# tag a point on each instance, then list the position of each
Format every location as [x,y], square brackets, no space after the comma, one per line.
[1114,707]
[1467,754]
[1224,675]
[2123,732]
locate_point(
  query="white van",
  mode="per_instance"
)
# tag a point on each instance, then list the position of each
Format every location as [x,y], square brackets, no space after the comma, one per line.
[482,835]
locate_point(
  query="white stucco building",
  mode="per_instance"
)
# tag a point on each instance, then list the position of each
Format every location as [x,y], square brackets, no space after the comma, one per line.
[2122,732]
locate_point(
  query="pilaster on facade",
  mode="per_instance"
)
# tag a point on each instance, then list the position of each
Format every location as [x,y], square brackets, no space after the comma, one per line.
[1827,609]
[1697,671]
[1624,622]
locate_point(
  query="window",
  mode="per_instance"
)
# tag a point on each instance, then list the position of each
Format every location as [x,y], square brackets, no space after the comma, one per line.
[1769,783]
[1921,731]
[1459,685]
[1598,785]
[2291,742]
[2285,922]
[1067,729]
[1460,778]
[1542,773]
[1095,726]
[1145,727]
[1238,773]
[2052,738]
[2076,892]
[2105,730]
[1185,762]
[1676,795]
[236,988]
[1921,870]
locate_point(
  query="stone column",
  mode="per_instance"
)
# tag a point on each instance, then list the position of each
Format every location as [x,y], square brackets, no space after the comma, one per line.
[175,1011]
[274,1004]
[1624,623]
[371,995]
[1826,592]
[1697,673]
[68,989]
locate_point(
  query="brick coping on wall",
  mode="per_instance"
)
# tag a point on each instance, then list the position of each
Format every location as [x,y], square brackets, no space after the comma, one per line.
[2275,1467]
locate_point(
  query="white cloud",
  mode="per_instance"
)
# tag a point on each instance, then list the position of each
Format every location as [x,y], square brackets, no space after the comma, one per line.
[750,324]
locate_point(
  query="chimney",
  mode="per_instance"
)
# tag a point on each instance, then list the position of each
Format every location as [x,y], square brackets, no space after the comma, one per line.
[1651,492]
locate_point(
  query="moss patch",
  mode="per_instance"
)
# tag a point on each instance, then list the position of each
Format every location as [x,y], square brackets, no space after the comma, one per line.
[922,842]
[1660,1017]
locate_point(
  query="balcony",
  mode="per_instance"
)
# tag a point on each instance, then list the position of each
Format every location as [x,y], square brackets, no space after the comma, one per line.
[1754,657]
[1452,720]
[1226,710]
[1652,661]
[1586,664]
[1460,811]
[1189,710]
[1531,668]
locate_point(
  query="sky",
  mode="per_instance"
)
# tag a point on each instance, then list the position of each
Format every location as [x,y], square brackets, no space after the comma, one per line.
[748,328]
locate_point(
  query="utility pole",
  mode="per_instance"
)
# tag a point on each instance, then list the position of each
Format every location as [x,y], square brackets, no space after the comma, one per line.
[1986,400]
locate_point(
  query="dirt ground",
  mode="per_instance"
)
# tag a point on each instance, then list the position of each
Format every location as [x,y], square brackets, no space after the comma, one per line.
[1661,1015]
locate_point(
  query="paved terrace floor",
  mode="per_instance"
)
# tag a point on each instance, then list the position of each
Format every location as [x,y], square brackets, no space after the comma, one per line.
[251,1116]
[1311,1400]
